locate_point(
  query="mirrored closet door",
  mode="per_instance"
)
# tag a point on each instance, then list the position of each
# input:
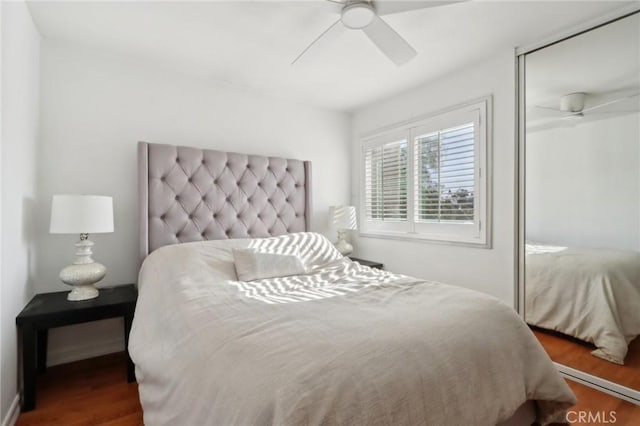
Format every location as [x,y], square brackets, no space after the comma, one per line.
[580,163]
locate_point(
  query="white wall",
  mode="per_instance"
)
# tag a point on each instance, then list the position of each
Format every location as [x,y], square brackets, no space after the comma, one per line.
[583,184]
[488,270]
[95,107]
[20,93]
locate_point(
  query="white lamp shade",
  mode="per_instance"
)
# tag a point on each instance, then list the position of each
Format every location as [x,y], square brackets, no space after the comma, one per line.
[343,217]
[81,214]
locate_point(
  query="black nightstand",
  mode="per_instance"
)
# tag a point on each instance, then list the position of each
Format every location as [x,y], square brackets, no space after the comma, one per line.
[368,263]
[50,310]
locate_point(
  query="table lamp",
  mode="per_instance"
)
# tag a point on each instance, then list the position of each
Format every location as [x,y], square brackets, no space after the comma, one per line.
[84,215]
[343,218]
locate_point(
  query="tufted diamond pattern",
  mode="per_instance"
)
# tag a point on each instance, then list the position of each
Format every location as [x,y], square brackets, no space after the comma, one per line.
[196,194]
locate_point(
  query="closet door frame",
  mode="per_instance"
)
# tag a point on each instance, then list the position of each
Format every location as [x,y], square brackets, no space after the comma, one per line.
[598,383]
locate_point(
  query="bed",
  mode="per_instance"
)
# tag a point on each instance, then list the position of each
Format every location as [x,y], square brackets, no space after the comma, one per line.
[587,293]
[339,344]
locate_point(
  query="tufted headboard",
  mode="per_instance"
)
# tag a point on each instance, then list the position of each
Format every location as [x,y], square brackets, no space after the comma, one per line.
[190,194]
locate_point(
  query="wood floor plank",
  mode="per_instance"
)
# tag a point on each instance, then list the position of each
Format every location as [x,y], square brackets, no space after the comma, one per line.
[576,354]
[95,392]
[90,392]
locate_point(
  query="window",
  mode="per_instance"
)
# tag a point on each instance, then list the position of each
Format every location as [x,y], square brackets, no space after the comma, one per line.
[427,179]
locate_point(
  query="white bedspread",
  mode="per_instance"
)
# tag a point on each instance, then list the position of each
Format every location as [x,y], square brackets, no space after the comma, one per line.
[590,294]
[343,345]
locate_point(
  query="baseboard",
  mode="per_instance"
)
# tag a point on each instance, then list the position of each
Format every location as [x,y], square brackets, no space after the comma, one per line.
[14,411]
[83,352]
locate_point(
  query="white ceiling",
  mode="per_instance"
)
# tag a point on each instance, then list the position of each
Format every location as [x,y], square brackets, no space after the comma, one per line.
[251,44]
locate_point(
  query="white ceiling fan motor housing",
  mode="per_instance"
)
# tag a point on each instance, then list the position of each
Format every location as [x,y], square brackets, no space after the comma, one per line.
[358,15]
[573,102]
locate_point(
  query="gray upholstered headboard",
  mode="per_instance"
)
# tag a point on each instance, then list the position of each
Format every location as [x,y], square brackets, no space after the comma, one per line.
[190,194]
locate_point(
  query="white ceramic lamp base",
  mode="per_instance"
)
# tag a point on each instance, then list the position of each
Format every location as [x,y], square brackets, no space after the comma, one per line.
[83,292]
[342,244]
[83,273]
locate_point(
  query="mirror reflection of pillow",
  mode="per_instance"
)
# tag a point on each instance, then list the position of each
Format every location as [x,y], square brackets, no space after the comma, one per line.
[256,264]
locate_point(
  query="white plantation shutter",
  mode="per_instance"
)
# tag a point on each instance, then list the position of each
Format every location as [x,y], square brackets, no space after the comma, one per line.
[427,178]
[445,175]
[386,182]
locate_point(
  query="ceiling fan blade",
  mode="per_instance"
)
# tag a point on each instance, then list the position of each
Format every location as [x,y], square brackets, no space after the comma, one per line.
[622,111]
[573,116]
[389,41]
[543,112]
[611,102]
[548,108]
[397,6]
[334,25]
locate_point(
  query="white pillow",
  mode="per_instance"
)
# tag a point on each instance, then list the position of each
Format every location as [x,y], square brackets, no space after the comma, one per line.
[256,264]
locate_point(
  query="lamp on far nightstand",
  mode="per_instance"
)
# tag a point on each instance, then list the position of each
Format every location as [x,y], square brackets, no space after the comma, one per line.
[343,218]
[84,215]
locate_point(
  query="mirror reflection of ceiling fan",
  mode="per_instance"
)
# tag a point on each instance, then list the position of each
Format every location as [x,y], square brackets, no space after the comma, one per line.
[365,15]
[572,105]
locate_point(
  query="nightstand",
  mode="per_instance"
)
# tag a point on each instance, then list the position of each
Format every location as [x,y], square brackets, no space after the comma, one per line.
[369,263]
[50,310]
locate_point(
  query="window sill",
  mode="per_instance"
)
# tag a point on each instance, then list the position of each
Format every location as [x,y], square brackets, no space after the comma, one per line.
[415,237]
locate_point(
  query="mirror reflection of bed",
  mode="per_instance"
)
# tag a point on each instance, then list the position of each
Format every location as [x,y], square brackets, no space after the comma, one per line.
[583,304]
[582,198]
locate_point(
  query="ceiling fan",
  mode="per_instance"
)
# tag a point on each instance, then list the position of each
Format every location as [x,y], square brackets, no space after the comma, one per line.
[572,105]
[365,15]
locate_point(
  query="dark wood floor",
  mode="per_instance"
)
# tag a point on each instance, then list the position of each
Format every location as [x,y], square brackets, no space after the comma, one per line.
[590,400]
[95,392]
[576,354]
[83,393]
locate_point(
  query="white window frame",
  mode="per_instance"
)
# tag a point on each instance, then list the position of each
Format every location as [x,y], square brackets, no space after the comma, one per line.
[477,235]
